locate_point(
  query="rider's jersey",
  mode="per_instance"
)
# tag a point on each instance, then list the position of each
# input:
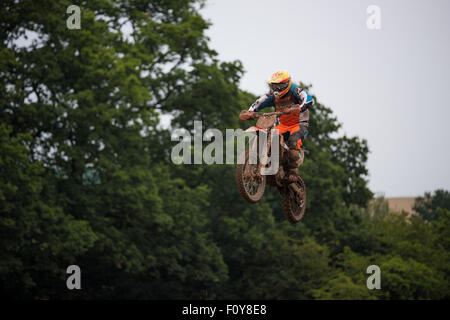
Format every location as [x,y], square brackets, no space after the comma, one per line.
[295,95]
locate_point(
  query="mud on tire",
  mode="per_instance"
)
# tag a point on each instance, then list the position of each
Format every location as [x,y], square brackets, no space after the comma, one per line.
[294,204]
[243,186]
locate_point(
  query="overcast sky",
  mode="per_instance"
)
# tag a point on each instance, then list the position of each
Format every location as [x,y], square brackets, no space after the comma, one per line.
[389,86]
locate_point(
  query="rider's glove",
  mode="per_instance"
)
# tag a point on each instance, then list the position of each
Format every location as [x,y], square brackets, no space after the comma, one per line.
[245,115]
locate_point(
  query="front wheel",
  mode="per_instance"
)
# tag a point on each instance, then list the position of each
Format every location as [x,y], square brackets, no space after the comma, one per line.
[293,198]
[251,184]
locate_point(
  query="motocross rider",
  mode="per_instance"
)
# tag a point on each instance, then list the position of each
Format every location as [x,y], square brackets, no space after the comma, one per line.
[293,124]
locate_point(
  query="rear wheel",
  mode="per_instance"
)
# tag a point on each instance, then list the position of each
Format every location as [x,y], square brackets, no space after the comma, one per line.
[251,184]
[294,200]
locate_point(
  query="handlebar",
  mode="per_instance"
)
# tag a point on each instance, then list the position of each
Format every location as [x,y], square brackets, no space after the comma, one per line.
[278,113]
[268,114]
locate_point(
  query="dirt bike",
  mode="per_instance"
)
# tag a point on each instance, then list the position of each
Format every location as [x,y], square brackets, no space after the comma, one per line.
[252,184]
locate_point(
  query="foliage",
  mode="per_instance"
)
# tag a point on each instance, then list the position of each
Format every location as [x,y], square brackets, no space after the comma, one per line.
[427,205]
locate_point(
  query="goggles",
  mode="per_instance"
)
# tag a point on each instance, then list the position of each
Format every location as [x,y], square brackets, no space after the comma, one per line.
[279,86]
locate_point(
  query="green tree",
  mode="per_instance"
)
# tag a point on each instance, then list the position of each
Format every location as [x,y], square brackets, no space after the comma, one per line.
[427,205]
[343,288]
[88,100]
[408,279]
[35,234]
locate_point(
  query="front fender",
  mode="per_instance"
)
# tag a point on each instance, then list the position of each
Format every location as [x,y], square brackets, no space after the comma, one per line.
[254,129]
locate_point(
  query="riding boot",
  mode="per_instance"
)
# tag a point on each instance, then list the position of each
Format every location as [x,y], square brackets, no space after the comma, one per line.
[294,156]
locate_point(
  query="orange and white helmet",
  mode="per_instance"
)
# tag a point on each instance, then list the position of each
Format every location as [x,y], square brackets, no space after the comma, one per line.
[280,82]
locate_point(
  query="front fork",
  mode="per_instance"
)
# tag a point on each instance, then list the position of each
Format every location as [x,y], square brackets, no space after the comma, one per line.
[260,159]
[250,171]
